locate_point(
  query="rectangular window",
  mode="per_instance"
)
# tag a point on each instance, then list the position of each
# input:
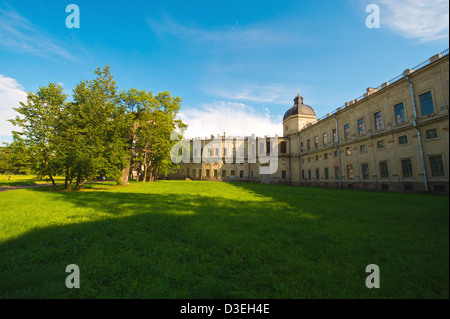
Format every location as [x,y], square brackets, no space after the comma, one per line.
[317,174]
[241,174]
[363,148]
[301,147]
[303,174]
[384,172]
[224,173]
[426,104]
[349,171]
[224,152]
[316,142]
[365,171]
[317,157]
[361,127]
[308,145]
[431,134]
[309,174]
[407,168]
[268,147]
[326,173]
[381,144]
[232,173]
[215,173]
[437,165]
[325,156]
[335,154]
[334,136]
[378,117]
[348,151]
[216,152]
[399,111]
[283,147]
[336,172]
[402,140]
[283,174]
[207,173]
[325,138]
[347,131]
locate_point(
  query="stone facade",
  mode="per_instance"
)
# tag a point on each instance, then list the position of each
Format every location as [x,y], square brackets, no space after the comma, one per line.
[395,137]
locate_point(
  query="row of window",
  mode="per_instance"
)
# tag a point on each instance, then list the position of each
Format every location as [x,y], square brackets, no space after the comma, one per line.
[426,105]
[215,151]
[196,173]
[436,166]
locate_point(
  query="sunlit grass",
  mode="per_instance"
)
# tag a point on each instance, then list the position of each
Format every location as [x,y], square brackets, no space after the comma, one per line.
[180,239]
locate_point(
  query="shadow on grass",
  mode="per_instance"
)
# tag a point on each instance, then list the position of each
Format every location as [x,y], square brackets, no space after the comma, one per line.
[138,245]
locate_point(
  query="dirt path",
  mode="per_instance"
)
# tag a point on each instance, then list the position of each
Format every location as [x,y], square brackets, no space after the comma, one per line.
[10,188]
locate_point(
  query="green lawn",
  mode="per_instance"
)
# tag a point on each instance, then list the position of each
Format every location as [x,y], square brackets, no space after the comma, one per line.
[181,239]
[20,180]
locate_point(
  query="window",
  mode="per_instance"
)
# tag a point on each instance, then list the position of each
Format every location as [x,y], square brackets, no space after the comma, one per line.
[336,172]
[361,127]
[335,140]
[224,173]
[325,156]
[347,131]
[326,173]
[317,157]
[215,173]
[207,173]
[309,174]
[316,142]
[309,159]
[241,174]
[407,168]
[268,147]
[303,174]
[325,138]
[426,104]
[349,171]
[308,145]
[301,147]
[216,151]
[335,154]
[283,147]
[348,151]
[431,134]
[378,120]
[317,174]
[399,111]
[402,140]
[363,148]
[232,173]
[365,171]
[384,172]
[437,165]
[224,152]
[380,144]
[283,174]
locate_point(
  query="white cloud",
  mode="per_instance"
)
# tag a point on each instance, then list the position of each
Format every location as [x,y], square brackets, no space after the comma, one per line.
[11,93]
[234,119]
[227,37]
[254,93]
[426,20]
[21,35]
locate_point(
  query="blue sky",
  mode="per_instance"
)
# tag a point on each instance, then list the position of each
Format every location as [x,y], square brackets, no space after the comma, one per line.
[237,65]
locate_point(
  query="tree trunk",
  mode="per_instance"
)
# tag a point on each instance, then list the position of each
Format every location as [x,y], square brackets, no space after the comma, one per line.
[53,182]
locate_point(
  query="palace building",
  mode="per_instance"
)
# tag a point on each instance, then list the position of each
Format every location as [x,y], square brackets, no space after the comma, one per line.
[395,137]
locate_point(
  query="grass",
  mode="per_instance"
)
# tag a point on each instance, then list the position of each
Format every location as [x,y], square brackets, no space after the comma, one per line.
[21,180]
[181,239]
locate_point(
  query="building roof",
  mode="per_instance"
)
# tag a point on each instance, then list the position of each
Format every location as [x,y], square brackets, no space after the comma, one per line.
[299,108]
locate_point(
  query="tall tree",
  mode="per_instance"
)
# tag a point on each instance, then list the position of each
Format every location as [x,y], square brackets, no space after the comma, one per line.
[40,124]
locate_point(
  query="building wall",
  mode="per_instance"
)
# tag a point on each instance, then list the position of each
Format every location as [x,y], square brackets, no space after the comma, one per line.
[355,152]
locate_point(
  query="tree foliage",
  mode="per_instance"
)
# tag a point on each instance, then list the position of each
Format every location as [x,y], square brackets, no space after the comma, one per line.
[100,133]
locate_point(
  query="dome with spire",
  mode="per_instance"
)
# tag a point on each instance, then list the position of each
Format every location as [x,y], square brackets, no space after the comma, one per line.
[299,108]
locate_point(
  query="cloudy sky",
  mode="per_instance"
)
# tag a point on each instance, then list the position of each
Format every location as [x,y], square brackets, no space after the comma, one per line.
[237,65]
